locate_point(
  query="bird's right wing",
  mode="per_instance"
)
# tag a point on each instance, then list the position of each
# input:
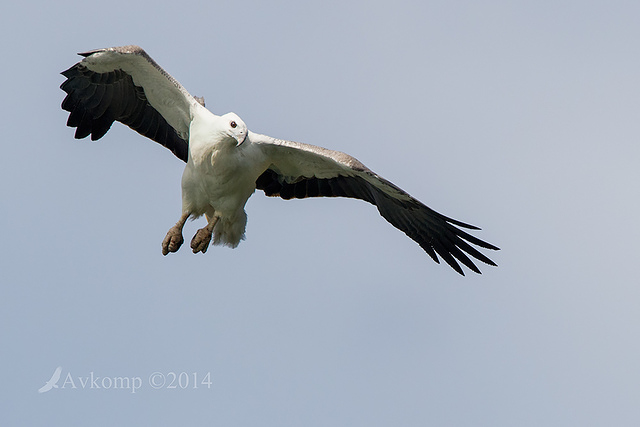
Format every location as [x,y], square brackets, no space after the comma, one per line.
[125,84]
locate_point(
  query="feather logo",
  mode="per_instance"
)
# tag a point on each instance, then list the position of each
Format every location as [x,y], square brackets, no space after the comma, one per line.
[52,383]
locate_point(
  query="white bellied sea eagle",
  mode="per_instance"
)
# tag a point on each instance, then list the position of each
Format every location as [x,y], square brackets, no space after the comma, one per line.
[226,163]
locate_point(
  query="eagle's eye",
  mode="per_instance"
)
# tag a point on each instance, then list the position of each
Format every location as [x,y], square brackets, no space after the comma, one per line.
[233,124]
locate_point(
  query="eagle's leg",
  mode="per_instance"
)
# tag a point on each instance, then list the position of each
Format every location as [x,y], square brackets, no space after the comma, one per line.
[173,240]
[200,242]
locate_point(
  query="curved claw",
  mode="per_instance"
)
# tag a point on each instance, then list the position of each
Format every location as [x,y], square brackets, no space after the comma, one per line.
[172,241]
[200,242]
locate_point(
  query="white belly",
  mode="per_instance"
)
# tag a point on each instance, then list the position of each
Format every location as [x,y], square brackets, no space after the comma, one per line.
[216,185]
[219,178]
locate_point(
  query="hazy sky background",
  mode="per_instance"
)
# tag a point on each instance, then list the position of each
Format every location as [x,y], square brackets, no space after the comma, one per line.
[519,117]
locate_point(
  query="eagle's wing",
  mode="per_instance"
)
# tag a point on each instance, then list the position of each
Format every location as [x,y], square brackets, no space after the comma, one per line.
[124,84]
[301,170]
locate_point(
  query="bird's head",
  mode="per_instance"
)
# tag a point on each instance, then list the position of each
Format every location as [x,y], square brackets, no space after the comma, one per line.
[234,127]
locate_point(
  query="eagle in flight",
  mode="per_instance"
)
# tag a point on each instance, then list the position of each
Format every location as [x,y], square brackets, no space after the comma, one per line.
[226,162]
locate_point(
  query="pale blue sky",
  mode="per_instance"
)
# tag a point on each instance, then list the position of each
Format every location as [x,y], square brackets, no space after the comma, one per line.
[519,117]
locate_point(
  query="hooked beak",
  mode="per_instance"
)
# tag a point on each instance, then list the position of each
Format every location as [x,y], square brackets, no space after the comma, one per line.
[241,139]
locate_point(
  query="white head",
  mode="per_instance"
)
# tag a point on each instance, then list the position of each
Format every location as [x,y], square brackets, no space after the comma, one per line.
[234,127]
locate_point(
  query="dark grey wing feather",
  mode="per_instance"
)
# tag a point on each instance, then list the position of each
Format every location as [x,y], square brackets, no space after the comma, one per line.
[96,99]
[437,234]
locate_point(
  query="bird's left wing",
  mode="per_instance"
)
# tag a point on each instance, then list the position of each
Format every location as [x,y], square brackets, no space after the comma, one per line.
[125,84]
[299,170]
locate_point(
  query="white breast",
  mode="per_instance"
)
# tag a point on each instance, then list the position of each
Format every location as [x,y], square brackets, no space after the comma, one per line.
[220,175]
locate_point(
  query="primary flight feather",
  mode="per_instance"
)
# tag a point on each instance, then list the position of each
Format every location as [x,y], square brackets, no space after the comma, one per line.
[226,163]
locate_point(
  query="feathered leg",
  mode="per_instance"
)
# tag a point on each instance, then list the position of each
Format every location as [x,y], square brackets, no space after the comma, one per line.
[200,242]
[173,240]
